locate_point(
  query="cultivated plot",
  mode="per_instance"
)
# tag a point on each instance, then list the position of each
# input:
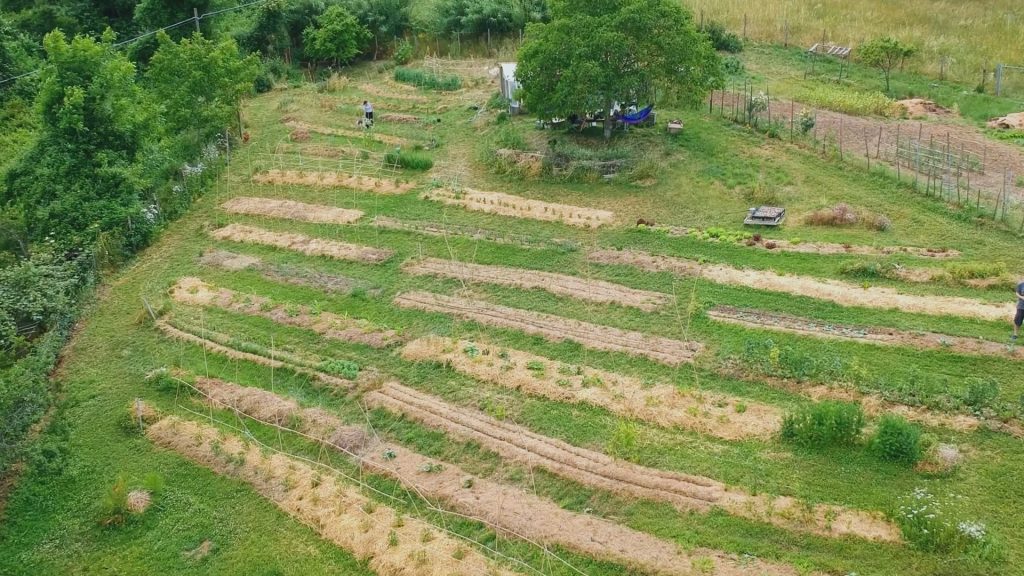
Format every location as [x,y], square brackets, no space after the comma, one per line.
[556,328]
[375,533]
[561,284]
[302,244]
[836,291]
[508,509]
[195,292]
[597,470]
[666,405]
[869,334]
[332,180]
[519,207]
[291,210]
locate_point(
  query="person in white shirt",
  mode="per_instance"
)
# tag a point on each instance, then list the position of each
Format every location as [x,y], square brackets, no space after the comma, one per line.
[367,112]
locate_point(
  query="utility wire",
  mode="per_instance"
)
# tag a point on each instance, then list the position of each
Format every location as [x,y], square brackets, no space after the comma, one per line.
[194,19]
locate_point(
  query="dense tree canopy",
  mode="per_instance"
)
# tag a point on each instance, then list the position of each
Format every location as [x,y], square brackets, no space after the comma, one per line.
[336,37]
[80,178]
[497,16]
[594,53]
[199,83]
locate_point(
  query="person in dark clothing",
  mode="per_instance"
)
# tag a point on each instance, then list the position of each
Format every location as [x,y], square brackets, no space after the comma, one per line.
[1018,319]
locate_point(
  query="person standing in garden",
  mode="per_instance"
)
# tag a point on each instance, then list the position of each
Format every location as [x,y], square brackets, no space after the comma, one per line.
[1019,318]
[367,113]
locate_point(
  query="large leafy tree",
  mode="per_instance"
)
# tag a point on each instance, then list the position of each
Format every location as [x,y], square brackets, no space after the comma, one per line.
[277,27]
[594,53]
[385,19]
[337,37]
[80,179]
[152,14]
[495,16]
[886,54]
[199,84]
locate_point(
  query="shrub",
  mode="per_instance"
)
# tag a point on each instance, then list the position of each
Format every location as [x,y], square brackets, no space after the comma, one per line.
[897,440]
[345,368]
[806,121]
[722,39]
[115,503]
[733,66]
[427,80]
[403,54]
[879,223]
[410,160]
[824,424]
[878,269]
[981,393]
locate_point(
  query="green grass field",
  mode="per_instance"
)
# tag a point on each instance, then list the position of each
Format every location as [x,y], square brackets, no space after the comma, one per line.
[706,177]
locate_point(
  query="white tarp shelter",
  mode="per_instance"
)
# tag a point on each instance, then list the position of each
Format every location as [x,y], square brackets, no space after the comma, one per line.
[509,85]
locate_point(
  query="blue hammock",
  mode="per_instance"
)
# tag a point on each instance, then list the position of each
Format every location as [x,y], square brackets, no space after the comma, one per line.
[637,117]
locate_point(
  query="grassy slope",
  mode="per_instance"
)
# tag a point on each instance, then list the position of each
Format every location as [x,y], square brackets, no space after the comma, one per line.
[52,518]
[973,35]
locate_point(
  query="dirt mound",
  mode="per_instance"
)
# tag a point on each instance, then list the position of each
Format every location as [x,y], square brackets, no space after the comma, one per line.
[299,135]
[869,334]
[375,533]
[597,470]
[663,404]
[291,210]
[841,293]
[195,292]
[299,125]
[138,501]
[519,207]
[1013,121]
[332,180]
[301,243]
[561,284]
[921,108]
[556,328]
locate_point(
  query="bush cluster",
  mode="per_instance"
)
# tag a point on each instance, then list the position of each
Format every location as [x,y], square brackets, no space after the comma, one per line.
[824,424]
[841,99]
[722,39]
[897,440]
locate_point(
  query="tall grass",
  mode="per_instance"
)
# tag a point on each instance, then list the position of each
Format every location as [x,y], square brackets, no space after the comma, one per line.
[974,35]
[424,79]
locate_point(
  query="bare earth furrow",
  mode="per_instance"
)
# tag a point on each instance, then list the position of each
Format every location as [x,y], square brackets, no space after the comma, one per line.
[841,293]
[603,472]
[561,284]
[556,328]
